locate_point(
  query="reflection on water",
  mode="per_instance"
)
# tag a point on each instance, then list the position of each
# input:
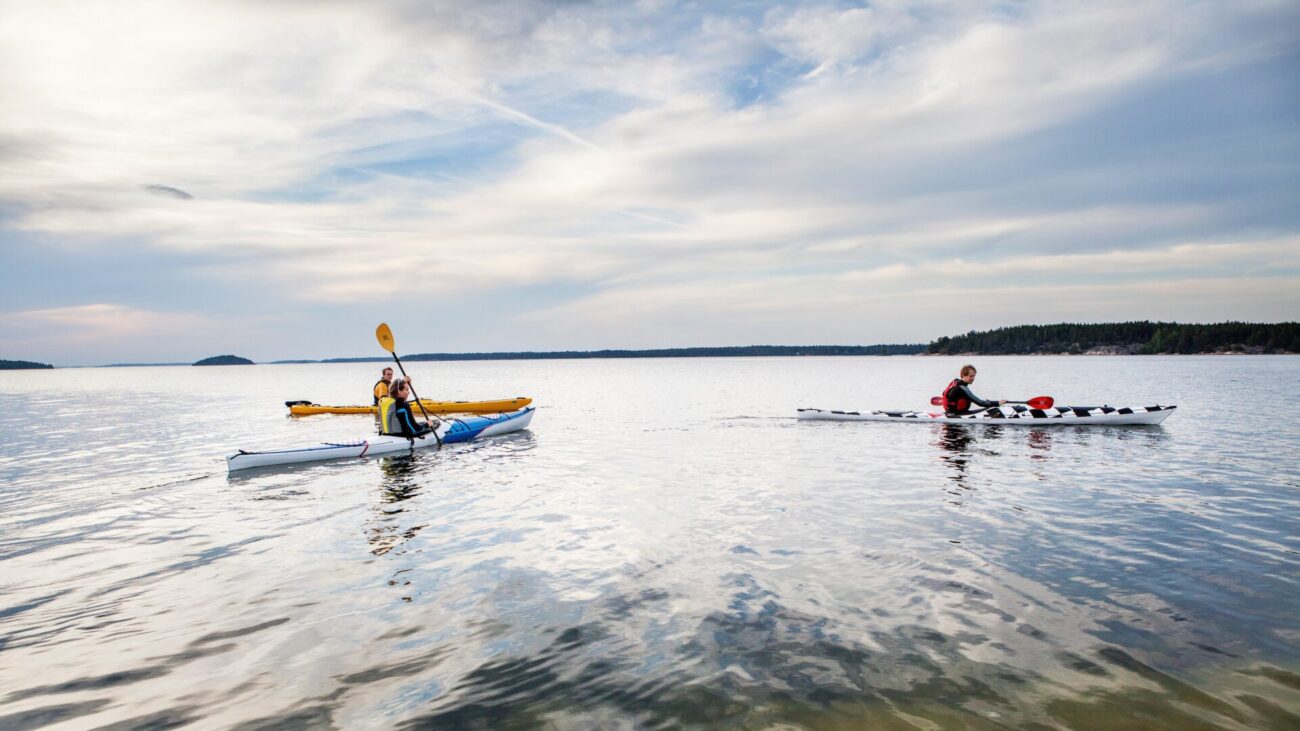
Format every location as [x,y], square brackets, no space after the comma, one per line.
[956,441]
[402,479]
[1041,440]
[700,561]
[400,475]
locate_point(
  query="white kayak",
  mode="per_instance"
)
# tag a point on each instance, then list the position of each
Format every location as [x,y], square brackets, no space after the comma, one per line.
[1011,416]
[450,431]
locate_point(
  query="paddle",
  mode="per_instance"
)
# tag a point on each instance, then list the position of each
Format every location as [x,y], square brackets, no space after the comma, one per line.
[1037,402]
[384,335]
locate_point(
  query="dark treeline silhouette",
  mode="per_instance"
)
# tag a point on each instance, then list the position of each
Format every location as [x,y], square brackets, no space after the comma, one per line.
[1143,337]
[17,365]
[720,352]
[1118,337]
[224,360]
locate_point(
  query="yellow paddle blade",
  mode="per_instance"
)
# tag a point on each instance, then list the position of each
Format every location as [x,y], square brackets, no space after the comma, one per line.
[385,337]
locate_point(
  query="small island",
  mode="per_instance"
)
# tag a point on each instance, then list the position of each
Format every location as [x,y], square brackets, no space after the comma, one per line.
[21,365]
[224,360]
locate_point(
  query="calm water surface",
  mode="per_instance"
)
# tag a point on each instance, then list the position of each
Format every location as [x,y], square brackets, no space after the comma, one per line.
[666,547]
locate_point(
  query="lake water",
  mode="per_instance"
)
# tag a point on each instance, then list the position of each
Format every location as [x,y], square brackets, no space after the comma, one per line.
[667,546]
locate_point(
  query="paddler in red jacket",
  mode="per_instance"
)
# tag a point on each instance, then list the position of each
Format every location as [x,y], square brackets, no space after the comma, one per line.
[957,397]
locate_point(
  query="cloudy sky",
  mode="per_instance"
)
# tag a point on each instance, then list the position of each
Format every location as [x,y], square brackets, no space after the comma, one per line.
[274,178]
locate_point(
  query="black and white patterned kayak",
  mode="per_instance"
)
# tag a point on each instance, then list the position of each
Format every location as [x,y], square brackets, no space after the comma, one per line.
[1011,416]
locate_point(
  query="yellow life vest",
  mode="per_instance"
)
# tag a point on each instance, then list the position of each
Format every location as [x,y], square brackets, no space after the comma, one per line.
[381,390]
[387,414]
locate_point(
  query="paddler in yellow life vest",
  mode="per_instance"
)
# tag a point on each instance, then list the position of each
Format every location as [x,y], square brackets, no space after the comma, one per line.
[395,417]
[381,386]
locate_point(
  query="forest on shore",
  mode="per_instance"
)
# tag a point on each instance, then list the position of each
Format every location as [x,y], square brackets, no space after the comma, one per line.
[1117,338]
[1137,338]
[1113,338]
[708,352]
[20,365]
[219,360]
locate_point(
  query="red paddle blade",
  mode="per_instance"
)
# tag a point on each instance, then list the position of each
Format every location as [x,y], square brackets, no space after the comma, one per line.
[936,401]
[1041,402]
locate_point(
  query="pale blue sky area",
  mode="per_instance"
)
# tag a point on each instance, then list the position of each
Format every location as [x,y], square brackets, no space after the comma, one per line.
[568,175]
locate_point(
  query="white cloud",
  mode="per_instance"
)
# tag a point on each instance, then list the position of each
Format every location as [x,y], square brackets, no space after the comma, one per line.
[893,302]
[777,312]
[823,36]
[116,331]
[631,160]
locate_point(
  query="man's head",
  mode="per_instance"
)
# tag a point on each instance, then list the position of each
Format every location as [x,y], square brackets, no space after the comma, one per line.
[388,375]
[968,374]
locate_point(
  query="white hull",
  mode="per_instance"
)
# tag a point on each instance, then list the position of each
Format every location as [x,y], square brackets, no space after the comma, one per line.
[450,431]
[1011,416]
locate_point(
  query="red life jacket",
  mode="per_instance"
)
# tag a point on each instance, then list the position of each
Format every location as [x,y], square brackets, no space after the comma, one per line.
[954,399]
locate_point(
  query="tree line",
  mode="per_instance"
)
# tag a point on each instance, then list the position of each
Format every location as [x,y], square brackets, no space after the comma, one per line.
[1142,337]
[16,365]
[714,352]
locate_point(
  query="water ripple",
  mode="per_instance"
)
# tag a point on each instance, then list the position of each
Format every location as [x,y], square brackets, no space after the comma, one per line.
[666,548]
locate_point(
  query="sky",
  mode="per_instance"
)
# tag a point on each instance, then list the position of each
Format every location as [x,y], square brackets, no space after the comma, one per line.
[274,178]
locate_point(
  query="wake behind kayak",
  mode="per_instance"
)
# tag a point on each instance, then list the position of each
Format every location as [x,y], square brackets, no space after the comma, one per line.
[1010,415]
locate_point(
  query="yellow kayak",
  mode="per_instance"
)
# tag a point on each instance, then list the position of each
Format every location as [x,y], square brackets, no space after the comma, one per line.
[306,408]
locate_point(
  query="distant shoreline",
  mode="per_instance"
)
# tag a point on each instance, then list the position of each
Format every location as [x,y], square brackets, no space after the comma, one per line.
[455,357]
[747,351]
[1121,338]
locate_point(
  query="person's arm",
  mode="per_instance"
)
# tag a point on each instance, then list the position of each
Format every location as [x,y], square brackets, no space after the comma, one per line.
[414,428]
[976,399]
[408,423]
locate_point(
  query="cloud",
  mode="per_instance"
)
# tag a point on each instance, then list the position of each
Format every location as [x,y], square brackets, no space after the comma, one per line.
[823,36]
[502,148]
[1251,280]
[795,312]
[168,192]
[118,332]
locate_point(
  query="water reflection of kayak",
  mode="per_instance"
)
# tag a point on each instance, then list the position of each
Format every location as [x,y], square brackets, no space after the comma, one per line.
[1011,416]
[307,408]
[450,431]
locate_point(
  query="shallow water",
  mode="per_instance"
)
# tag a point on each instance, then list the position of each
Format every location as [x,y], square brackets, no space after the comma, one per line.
[666,547]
